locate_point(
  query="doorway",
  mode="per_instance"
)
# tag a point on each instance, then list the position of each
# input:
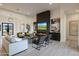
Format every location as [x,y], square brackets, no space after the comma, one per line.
[73,36]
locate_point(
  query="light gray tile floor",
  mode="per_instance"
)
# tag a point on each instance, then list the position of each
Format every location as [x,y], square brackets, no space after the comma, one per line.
[53,49]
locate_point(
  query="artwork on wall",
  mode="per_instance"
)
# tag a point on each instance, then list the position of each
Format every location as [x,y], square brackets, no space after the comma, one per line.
[73,28]
[7,28]
[28,27]
[55,25]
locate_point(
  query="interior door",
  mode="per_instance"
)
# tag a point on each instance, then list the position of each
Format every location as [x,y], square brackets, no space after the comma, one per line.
[74,33]
[73,28]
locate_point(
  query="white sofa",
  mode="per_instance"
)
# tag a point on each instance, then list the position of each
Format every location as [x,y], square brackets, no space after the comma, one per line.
[16,47]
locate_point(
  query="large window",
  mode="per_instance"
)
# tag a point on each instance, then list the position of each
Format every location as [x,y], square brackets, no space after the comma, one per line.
[7,28]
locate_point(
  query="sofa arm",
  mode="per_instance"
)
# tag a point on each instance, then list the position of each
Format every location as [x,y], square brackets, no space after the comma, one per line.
[5,44]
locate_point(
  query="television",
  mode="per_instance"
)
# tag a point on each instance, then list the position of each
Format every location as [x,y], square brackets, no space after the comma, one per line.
[42,26]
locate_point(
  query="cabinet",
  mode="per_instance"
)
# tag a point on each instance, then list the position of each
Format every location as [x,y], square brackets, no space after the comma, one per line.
[55,36]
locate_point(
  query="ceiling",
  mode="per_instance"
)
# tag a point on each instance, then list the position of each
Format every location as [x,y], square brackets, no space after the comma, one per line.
[32,9]
[29,8]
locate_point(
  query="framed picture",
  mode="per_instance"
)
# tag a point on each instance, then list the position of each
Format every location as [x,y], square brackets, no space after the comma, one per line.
[28,27]
[55,25]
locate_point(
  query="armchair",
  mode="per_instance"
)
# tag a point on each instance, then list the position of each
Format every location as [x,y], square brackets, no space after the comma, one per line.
[39,41]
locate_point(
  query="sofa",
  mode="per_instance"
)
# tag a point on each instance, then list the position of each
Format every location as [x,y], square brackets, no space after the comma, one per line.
[15,46]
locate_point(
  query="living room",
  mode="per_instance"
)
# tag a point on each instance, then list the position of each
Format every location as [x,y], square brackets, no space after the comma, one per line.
[21,16]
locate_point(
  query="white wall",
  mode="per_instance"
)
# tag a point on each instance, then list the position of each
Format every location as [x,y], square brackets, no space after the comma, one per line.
[63,25]
[55,13]
[16,19]
[74,16]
